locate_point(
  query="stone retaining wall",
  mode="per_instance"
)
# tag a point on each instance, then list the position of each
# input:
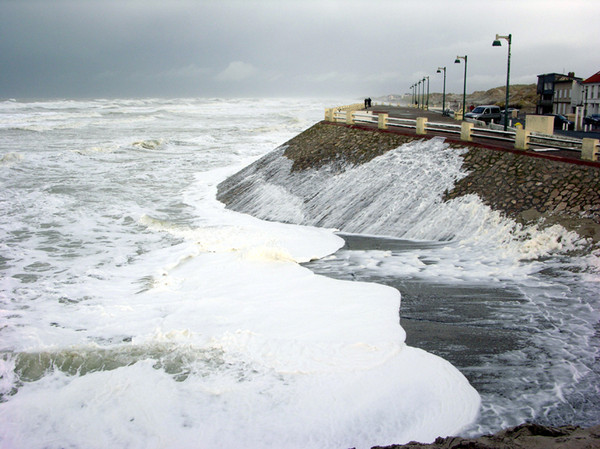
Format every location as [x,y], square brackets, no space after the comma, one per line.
[528,188]
[327,143]
[525,188]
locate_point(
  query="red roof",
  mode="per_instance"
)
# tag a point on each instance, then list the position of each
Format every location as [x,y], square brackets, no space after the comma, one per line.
[593,79]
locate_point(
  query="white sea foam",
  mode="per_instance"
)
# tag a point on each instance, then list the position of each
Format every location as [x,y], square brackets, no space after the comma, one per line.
[399,194]
[311,342]
[138,312]
[141,406]
[10,158]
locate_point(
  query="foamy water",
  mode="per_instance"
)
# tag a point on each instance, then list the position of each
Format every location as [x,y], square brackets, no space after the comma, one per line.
[534,289]
[136,311]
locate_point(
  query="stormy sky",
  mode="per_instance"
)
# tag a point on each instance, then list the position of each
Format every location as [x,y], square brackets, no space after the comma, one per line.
[235,48]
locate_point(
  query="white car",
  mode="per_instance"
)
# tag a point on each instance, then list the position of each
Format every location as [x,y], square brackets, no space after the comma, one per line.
[486,113]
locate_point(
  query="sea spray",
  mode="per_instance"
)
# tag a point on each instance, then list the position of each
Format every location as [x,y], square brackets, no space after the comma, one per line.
[529,292]
[137,311]
[398,194]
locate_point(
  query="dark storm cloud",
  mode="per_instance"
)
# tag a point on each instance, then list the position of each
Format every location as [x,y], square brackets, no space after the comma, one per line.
[108,48]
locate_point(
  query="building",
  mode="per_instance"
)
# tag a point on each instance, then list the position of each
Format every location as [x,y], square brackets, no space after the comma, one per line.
[568,94]
[591,93]
[558,93]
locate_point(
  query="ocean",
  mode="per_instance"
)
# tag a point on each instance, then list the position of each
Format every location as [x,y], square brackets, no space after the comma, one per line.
[138,312]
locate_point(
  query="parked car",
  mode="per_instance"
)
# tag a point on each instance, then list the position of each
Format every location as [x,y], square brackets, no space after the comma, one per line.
[593,120]
[510,110]
[485,113]
[561,120]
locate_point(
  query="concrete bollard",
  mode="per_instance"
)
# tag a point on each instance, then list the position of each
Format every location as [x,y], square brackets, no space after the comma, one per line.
[589,149]
[382,121]
[465,131]
[540,124]
[350,117]
[329,114]
[421,125]
[522,139]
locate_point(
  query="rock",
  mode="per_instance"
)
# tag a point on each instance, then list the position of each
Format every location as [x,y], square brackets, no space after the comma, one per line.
[525,436]
[511,183]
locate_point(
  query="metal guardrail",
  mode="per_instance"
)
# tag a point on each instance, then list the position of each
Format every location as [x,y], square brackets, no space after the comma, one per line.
[443,127]
[352,114]
[561,143]
[507,136]
[402,122]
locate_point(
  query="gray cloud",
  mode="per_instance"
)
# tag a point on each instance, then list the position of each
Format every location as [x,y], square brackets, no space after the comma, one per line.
[237,71]
[104,48]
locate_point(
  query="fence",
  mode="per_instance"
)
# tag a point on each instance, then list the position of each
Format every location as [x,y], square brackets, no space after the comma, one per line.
[521,139]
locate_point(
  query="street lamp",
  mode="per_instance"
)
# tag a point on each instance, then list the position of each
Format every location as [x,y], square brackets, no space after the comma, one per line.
[419,95]
[426,104]
[497,43]
[423,94]
[414,94]
[457,61]
[439,70]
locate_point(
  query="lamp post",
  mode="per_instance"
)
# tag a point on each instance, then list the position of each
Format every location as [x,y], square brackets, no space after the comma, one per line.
[414,94]
[497,43]
[419,95]
[423,94]
[457,61]
[427,103]
[439,70]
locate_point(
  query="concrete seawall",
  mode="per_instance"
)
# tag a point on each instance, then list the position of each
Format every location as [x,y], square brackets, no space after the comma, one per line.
[531,189]
[519,184]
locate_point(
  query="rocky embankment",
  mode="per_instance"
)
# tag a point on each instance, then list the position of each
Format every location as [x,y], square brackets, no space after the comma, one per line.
[527,189]
[328,144]
[530,189]
[525,436]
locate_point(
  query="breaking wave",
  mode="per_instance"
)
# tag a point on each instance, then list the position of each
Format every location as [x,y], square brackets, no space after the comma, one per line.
[398,194]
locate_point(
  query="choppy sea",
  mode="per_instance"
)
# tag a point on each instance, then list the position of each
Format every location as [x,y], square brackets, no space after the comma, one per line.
[136,311]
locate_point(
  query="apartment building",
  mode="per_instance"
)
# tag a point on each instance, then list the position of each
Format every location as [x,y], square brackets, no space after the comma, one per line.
[591,94]
[558,93]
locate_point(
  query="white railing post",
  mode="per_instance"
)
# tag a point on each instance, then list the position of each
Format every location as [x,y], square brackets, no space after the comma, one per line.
[329,114]
[349,117]
[522,139]
[421,125]
[589,149]
[382,121]
[465,131]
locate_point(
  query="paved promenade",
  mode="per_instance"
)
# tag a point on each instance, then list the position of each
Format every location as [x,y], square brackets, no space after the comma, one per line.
[413,113]
[437,117]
